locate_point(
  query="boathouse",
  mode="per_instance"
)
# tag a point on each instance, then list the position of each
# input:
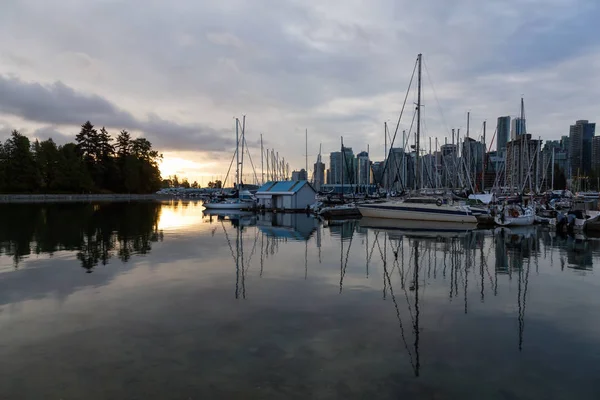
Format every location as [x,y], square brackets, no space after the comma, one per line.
[286,195]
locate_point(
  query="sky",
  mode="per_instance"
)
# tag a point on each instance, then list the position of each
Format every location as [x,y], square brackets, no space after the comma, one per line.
[179,72]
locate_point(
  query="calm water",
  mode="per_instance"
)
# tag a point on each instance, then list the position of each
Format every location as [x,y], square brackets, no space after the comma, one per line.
[158,301]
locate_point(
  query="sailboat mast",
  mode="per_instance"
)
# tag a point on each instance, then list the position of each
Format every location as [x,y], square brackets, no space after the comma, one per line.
[242,140]
[483,160]
[262,157]
[552,187]
[418,122]
[237,153]
[306,150]
[343,162]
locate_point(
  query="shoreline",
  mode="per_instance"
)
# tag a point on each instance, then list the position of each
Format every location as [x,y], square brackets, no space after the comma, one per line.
[66,198]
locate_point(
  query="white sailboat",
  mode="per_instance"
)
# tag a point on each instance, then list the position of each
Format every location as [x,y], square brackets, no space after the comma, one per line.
[419,208]
[245,200]
[515,215]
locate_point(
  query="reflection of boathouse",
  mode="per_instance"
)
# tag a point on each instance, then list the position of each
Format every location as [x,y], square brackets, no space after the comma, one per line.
[286,195]
[287,226]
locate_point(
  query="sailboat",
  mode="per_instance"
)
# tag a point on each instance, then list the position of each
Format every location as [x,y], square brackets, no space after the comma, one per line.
[245,200]
[419,208]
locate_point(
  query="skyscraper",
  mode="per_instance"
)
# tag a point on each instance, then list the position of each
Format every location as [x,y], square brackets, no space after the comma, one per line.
[502,133]
[517,127]
[319,171]
[364,169]
[342,167]
[596,154]
[580,147]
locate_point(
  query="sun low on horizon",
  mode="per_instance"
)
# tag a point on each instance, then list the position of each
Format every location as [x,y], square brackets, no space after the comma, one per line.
[186,168]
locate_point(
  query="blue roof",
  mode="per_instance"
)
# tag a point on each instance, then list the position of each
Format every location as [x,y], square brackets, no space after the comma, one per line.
[282,186]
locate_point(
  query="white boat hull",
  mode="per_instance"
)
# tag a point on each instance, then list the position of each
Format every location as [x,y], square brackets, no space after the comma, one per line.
[522,220]
[411,212]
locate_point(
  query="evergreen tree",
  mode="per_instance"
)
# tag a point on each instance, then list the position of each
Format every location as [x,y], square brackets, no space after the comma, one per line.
[91,165]
[21,173]
[123,144]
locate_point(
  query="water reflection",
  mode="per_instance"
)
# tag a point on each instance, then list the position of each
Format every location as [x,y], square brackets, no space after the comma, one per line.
[96,232]
[409,303]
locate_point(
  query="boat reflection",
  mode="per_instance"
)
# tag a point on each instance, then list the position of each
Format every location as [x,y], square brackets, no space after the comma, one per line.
[424,229]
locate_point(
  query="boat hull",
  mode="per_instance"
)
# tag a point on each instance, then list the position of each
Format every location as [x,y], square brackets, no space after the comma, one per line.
[523,220]
[417,213]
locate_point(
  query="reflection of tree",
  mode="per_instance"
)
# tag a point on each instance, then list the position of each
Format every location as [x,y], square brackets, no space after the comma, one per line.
[96,232]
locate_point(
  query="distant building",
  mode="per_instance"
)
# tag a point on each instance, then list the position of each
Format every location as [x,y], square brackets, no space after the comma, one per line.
[494,169]
[377,168]
[342,166]
[319,174]
[328,176]
[502,133]
[580,147]
[449,165]
[363,171]
[473,155]
[517,127]
[523,163]
[596,154]
[553,149]
[300,175]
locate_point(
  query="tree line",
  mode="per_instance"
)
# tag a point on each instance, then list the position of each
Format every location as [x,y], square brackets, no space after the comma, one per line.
[95,163]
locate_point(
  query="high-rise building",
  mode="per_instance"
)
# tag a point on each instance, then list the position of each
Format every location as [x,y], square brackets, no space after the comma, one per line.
[363,171]
[449,165]
[319,174]
[596,154]
[473,154]
[523,163]
[517,127]
[342,166]
[580,147]
[502,133]
[396,176]
[299,175]
[378,172]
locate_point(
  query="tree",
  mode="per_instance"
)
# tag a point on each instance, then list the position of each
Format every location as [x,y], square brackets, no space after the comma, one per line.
[195,185]
[218,184]
[105,147]
[123,144]
[47,158]
[92,164]
[87,141]
[21,174]
[185,183]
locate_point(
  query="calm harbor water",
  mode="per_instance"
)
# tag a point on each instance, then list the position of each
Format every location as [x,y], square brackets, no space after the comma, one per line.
[159,301]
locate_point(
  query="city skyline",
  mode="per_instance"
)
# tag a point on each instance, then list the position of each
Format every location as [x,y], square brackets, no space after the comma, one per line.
[187,67]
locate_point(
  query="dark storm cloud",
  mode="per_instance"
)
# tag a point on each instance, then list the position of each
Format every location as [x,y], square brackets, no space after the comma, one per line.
[59,104]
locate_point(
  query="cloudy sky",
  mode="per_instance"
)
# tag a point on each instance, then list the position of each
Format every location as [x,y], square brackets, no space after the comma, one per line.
[179,71]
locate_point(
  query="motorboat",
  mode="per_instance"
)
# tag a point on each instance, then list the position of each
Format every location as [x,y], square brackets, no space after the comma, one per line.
[419,209]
